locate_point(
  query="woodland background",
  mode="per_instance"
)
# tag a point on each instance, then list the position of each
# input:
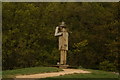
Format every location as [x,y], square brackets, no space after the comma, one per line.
[28,34]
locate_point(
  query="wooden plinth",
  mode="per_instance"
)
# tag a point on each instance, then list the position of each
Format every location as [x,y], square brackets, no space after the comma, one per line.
[62,66]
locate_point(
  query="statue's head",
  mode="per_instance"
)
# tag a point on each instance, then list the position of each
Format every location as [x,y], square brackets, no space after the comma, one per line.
[62,25]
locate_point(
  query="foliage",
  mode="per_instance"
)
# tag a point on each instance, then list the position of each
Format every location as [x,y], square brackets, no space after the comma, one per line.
[28,33]
[107,66]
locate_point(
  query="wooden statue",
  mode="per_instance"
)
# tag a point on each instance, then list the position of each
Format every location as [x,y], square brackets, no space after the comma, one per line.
[62,33]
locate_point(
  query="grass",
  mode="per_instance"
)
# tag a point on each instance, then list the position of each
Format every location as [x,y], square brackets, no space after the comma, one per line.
[32,70]
[94,75]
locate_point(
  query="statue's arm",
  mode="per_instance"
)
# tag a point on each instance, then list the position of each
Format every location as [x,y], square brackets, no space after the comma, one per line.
[57,33]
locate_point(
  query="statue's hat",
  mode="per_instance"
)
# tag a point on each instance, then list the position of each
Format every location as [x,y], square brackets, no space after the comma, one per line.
[63,24]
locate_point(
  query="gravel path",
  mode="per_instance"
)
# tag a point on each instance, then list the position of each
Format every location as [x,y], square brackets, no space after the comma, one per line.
[52,74]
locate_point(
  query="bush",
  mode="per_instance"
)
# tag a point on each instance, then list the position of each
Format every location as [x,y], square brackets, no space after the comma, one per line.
[107,66]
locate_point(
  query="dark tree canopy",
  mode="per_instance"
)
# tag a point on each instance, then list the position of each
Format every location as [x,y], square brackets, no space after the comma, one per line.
[28,34]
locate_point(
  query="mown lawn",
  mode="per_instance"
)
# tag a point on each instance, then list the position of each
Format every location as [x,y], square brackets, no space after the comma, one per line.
[94,75]
[32,70]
